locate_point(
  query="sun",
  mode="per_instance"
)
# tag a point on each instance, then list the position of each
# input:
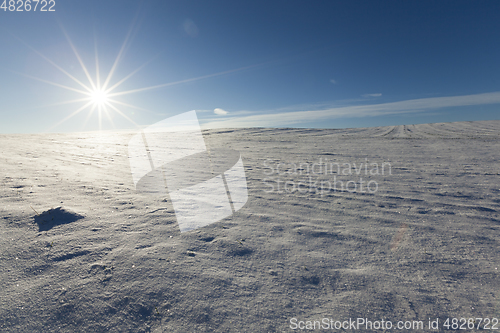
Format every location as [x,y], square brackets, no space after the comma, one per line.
[99,97]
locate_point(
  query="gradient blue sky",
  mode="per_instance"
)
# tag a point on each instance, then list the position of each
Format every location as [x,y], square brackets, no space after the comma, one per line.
[323,64]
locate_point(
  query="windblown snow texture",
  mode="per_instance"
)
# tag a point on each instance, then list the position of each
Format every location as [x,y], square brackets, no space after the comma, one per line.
[425,245]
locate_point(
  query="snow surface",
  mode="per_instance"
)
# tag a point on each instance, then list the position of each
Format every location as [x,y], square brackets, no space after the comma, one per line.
[82,251]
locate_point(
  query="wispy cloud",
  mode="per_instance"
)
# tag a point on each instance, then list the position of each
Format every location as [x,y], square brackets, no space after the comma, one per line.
[371,95]
[220,112]
[190,28]
[333,81]
[308,116]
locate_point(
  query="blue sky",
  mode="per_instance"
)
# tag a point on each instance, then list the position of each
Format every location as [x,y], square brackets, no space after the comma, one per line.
[323,64]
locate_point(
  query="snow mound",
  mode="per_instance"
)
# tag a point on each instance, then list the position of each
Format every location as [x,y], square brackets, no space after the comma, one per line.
[55,216]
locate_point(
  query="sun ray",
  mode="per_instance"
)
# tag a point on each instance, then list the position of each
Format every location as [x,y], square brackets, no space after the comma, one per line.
[88,116]
[97,74]
[108,116]
[54,64]
[52,83]
[122,114]
[180,82]
[128,76]
[55,104]
[99,116]
[118,57]
[132,106]
[71,115]
[78,57]
[64,103]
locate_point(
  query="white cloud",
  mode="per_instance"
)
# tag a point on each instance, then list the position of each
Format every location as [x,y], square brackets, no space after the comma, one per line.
[333,81]
[372,95]
[306,116]
[190,28]
[220,112]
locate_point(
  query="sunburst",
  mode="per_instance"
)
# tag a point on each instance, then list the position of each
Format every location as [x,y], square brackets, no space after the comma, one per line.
[100,97]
